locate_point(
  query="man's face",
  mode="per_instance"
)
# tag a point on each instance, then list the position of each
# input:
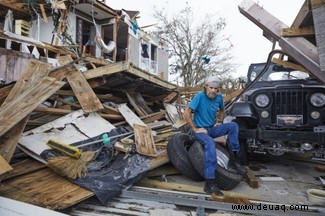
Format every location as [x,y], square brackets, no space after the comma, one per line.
[211,92]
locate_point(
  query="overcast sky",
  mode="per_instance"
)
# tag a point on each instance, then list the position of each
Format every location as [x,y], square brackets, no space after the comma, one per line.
[250,46]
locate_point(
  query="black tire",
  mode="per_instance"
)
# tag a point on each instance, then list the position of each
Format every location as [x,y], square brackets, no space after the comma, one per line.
[177,149]
[226,179]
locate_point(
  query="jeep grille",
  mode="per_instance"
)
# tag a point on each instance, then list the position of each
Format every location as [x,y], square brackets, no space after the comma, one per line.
[289,102]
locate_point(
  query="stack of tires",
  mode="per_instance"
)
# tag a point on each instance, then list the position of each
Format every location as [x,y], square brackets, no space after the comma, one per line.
[187,156]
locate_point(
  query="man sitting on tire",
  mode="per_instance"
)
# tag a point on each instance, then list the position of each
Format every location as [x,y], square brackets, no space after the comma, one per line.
[206,126]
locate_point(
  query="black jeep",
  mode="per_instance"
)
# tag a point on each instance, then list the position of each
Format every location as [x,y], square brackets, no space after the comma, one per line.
[283,110]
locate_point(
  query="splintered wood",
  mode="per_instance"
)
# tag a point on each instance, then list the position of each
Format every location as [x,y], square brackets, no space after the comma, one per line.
[144,140]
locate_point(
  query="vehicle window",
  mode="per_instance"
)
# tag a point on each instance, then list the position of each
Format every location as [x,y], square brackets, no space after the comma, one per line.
[285,75]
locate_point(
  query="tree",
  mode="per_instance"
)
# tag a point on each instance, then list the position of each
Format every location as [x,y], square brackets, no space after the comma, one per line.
[197,50]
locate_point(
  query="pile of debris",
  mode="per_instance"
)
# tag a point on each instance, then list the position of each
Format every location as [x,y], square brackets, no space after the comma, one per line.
[65,104]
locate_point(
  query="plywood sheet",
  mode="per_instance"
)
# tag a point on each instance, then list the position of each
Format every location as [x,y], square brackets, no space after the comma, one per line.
[44,188]
[14,111]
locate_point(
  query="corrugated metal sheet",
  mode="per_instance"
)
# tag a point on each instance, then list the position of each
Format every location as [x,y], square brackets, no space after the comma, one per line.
[12,62]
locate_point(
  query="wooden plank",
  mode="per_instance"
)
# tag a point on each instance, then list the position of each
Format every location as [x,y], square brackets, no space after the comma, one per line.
[30,76]
[161,159]
[147,119]
[137,108]
[189,188]
[318,7]
[23,167]
[25,103]
[138,103]
[172,97]
[129,116]
[84,93]
[43,13]
[106,70]
[97,60]
[232,95]
[251,179]
[289,64]
[144,141]
[4,166]
[44,188]
[298,32]
[164,170]
[320,168]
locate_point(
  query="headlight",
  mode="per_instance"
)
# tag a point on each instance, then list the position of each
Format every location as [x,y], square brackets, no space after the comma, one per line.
[317,99]
[262,100]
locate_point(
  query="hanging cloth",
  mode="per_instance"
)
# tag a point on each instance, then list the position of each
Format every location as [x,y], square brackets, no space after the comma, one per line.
[9,20]
[106,48]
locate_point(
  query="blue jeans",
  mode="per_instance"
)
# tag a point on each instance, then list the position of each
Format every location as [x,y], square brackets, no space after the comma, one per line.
[207,140]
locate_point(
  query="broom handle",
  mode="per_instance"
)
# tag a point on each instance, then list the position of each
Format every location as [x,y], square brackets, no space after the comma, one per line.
[101,140]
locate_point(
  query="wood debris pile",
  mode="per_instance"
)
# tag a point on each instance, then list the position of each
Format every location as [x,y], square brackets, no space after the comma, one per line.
[118,93]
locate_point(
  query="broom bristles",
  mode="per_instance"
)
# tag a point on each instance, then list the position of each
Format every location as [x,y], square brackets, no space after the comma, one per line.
[71,167]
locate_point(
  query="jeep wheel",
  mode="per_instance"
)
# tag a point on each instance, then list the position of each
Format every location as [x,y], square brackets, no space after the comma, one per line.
[177,149]
[227,179]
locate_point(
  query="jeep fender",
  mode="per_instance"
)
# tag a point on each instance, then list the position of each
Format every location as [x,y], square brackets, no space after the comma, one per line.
[243,109]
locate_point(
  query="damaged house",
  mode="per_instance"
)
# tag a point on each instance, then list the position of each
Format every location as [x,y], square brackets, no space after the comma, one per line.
[76,72]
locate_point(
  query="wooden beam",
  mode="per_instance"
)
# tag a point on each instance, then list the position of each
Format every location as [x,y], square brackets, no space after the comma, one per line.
[289,64]
[318,7]
[263,19]
[43,13]
[300,49]
[106,70]
[298,32]
[126,67]
[84,93]
[302,15]
[189,188]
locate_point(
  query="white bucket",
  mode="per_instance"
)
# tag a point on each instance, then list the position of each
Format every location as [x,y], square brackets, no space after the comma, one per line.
[316,196]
